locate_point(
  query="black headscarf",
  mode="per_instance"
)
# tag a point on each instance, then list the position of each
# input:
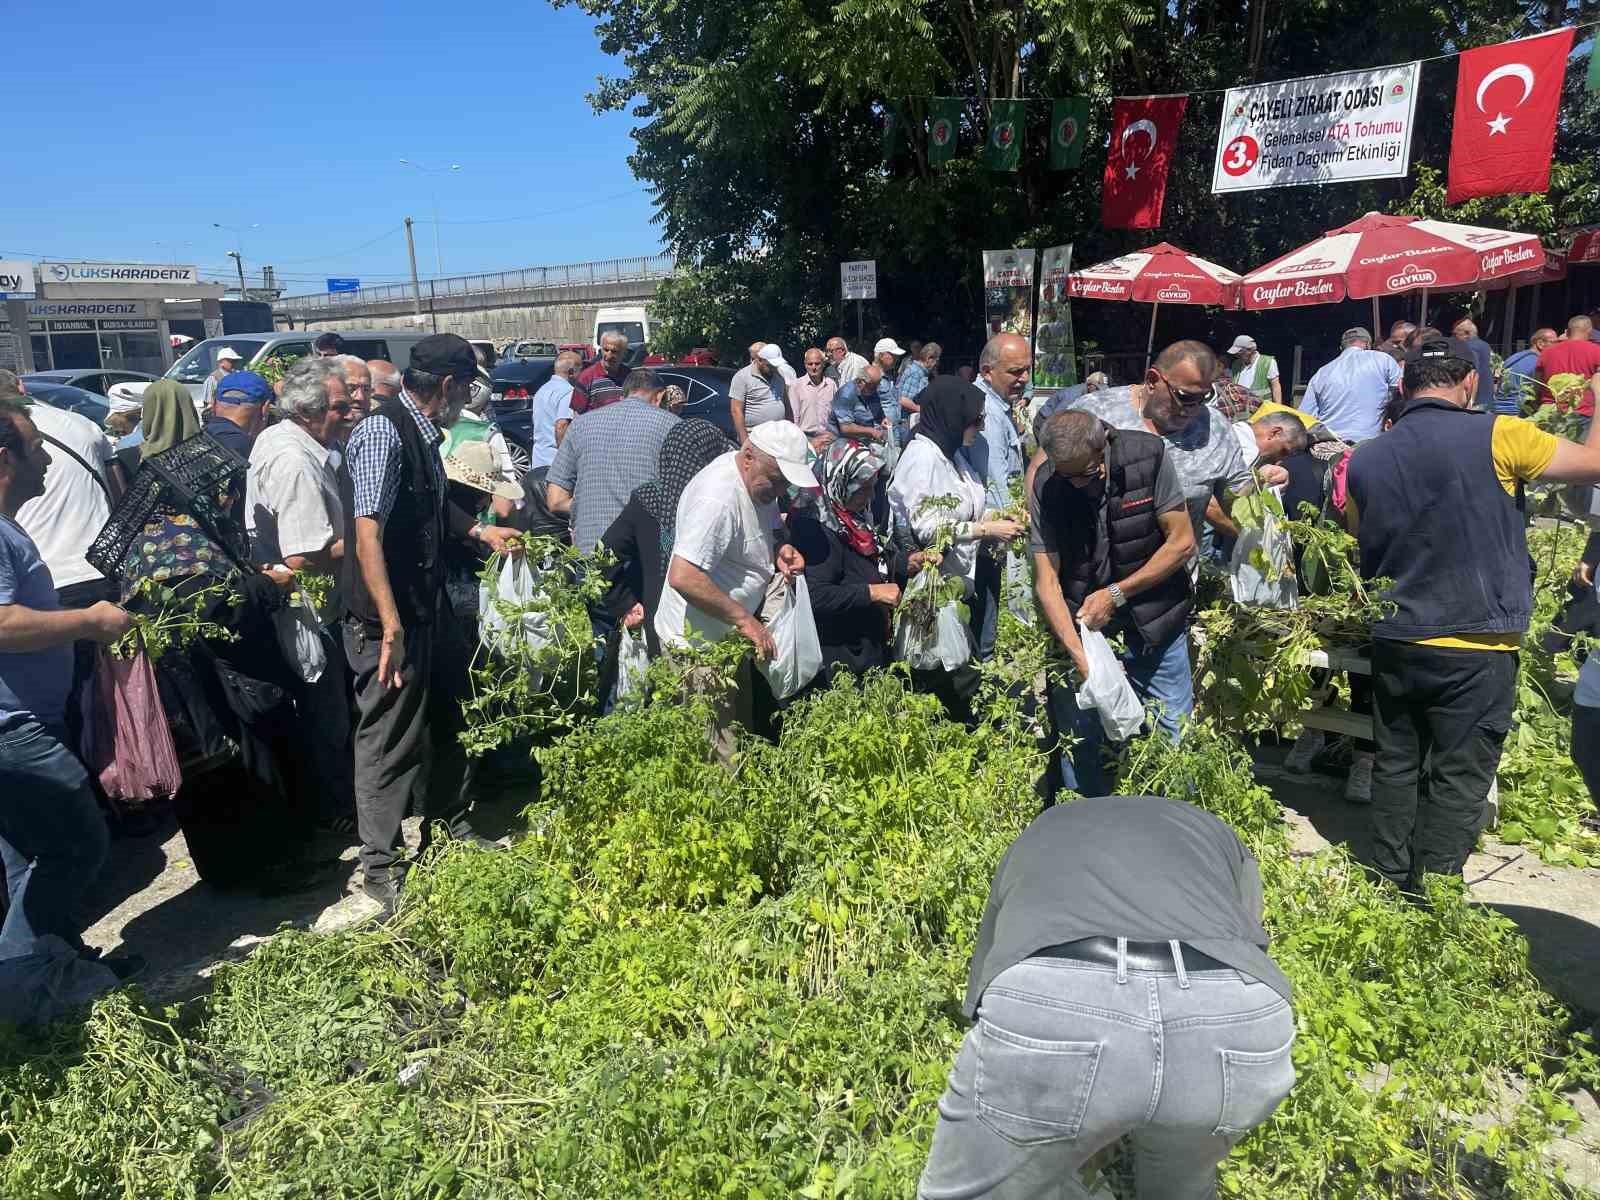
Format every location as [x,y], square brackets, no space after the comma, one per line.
[689,447]
[948,406]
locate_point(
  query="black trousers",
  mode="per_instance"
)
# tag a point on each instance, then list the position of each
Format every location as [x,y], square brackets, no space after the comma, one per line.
[1586,747]
[1444,712]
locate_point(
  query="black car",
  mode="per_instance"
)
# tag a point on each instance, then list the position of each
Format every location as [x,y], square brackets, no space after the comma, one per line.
[515,383]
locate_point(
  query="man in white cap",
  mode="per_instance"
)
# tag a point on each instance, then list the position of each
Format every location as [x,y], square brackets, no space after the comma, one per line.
[227,360]
[1254,371]
[774,355]
[887,354]
[726,559]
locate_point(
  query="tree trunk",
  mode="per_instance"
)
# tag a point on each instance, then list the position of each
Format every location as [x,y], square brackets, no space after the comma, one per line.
[1258,37]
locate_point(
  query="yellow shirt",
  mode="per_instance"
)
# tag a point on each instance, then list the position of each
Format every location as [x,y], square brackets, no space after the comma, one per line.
[1521,451]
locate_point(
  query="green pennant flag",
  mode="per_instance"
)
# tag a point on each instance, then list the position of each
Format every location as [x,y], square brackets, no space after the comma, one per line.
[1068,120]
[1004,149]
[944,122]
[1593,80]
[891,132]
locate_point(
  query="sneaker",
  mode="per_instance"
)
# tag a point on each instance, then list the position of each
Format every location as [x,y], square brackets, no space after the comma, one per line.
[385,891]
[1358,789]
[1306,747]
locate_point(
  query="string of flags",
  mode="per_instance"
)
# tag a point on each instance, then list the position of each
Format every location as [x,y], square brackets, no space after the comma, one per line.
[1337,128]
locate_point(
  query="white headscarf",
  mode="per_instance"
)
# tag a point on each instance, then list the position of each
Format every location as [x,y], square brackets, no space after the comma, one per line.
[127,397]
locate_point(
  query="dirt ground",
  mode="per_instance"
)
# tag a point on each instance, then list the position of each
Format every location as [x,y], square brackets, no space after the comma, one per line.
[150,900]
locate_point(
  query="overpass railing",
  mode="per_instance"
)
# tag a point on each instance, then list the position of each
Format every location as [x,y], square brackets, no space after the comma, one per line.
[607,270]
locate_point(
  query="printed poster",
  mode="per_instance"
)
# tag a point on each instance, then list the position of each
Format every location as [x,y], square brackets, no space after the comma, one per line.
[1054,352]
[1008,292]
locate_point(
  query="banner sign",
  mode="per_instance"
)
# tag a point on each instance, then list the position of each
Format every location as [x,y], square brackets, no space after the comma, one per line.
[344,285]
[87,272]
[1008,292]
[16,279]
[1054,357]
[859,280]
[1321,129]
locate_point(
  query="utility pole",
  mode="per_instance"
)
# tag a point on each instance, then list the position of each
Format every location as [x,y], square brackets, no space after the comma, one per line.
[416,290]
[238,261]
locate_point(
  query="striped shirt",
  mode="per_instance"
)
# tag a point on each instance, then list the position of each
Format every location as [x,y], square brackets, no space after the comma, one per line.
[374,456]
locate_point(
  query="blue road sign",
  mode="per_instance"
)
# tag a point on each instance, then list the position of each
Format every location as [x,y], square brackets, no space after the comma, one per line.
[344,285]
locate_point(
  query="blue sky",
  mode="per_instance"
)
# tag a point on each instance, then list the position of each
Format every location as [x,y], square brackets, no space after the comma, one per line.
[152,126]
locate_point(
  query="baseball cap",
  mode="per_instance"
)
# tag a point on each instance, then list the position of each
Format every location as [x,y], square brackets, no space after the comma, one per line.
[887,346]
[1242,342]
[228,353]
[1437,348]
[771,353]
[243,387]
[445,354]
[473,464]
[784,441]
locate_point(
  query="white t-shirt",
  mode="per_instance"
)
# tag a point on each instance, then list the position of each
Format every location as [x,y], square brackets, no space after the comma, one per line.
[64,521]
[722,531]
[292,503]
[1244,375]
[1246,434]
[924,471]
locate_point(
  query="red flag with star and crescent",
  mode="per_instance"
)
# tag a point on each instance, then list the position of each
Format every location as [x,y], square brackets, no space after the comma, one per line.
[1144,135]
[1507,96]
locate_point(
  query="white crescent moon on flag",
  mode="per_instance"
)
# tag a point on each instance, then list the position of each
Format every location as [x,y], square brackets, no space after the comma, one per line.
[1149,127]
[1519,71]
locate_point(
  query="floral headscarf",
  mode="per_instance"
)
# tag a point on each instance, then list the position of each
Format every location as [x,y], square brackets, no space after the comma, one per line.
[848,466]
[689,447]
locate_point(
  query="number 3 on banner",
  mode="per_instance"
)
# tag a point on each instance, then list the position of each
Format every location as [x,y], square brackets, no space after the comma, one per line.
[1239,156]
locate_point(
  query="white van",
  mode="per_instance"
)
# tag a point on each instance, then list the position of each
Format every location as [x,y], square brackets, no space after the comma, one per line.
[633,322]
[258,348]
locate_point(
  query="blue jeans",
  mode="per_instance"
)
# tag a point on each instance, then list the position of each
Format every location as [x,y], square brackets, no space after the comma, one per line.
[1161,677]
[1067,1057]
[53,839]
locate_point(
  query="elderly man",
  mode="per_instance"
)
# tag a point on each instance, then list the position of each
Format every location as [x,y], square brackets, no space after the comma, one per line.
[1436,506]
[1395,345]
[811,398]
[357,384]
[996,458]
[602,382]
[1110,539]
[919,370]
[844,364]
[1086,1033]
[239,411]
[774,355]
[552,410]
[296,517]
[1270,439]
[53,839]
[757,394]
[227,360]
[1466,329]
[886,355]
[605,455]
[1520,374]
[403,646]
[1349,394]
[385,379]
[857,410]
[1254,371]
[724,557]
[1577,354]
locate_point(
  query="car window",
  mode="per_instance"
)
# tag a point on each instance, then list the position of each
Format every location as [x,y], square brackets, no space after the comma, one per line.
[194,366]
[287,351]
[91,383]
[367,349]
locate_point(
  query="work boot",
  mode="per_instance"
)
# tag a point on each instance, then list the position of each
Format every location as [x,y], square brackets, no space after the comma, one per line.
[1358,789]
[385,890]
[1306,747]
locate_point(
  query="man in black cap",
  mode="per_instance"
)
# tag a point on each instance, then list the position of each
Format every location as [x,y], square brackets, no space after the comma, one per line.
[1437,506]
[403,644]
[1121,986]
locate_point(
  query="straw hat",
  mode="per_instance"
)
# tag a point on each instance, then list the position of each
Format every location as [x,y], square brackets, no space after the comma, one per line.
[473,464]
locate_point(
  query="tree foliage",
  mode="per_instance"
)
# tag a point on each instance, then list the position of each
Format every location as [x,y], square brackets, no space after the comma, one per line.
[760,129]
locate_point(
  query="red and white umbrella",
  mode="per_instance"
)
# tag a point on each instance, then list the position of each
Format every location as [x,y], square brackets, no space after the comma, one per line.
[1382,255]
[1585,246]
[1163,274]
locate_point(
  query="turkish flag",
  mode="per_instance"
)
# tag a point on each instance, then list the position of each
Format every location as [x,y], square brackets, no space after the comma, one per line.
[1144,134]
[1507,96]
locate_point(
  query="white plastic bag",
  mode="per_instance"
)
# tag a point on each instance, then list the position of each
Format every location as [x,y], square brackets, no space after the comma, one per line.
[1018,586]
[300,637]
[633,663]
[516,584]
[794,632]
[1275,587]
[947,645]
[1107,688]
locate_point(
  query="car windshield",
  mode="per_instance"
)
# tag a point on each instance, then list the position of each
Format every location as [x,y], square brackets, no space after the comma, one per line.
[632,330]
[194,366]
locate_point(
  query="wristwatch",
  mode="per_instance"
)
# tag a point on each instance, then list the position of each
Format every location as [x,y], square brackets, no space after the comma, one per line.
[1117,597]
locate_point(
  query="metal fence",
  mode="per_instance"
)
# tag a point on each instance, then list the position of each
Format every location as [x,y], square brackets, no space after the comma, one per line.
[608,270]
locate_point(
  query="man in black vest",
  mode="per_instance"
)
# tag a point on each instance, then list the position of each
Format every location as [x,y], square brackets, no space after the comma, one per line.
[400,637]
[1111,539]
[1436,504]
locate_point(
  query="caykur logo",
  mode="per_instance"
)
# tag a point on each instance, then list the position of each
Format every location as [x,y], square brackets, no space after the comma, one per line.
[1411,276]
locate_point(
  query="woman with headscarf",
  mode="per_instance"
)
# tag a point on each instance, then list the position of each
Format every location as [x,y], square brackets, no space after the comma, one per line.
[853,572]
[936,494]
[168,417]
[642,535]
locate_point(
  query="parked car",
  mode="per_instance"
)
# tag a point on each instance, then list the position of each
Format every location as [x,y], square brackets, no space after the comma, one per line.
[487,347]
[582,350]
[705,390]
[633,322]
[69,398]
[529,349]
[99,381]
[259,348]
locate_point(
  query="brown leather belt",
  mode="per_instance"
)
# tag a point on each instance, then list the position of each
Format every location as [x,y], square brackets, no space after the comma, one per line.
[1140,956]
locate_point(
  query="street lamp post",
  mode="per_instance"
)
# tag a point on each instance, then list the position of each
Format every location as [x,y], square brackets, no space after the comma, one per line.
[237,255]
[438,260]
[238,261]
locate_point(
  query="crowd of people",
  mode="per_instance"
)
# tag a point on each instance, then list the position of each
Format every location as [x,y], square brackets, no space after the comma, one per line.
[858,473]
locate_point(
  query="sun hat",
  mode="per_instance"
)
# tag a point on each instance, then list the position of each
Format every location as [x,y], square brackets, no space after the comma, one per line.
[473,465]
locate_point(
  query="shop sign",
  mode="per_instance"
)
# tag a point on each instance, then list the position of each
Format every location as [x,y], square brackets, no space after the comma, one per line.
[117,273]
